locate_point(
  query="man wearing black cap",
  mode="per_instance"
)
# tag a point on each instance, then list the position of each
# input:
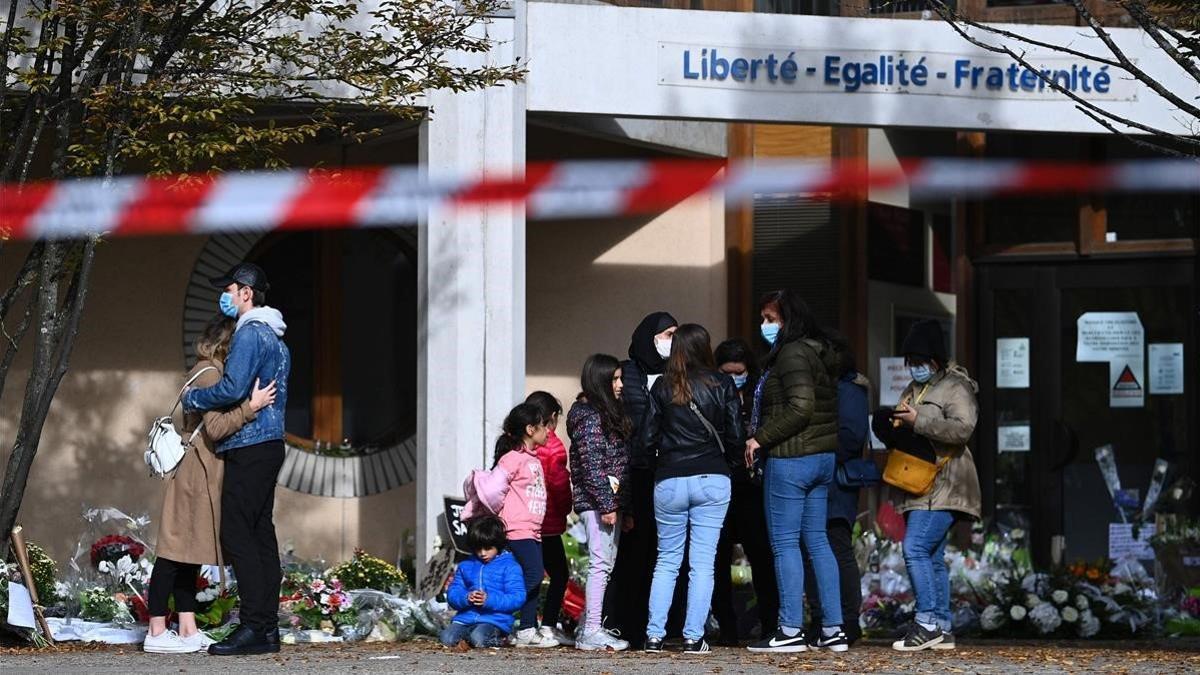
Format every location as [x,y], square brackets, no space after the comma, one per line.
[252,456]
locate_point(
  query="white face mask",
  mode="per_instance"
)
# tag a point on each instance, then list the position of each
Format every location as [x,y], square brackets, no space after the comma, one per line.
[663,347]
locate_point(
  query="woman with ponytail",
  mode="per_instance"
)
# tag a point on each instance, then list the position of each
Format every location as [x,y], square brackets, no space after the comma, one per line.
[515,490]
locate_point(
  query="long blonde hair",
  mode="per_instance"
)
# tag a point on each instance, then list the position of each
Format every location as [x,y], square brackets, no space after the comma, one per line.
[213,343]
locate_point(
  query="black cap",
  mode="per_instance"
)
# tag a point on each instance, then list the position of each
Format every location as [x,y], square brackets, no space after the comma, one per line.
[925,339]
[246,274]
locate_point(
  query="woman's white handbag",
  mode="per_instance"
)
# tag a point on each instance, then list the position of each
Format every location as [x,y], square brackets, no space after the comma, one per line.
[166,448]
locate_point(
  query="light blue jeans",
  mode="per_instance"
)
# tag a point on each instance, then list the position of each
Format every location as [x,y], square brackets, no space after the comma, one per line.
[925,556]
[796,490]
[696,504]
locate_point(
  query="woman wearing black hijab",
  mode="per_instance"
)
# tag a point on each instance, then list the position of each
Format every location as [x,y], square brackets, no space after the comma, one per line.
[629,586]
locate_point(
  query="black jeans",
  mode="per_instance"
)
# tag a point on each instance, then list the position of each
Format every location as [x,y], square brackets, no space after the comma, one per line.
[528,553]
[248,530]
[841,540]
[554,559]
[746,524]
[172,578]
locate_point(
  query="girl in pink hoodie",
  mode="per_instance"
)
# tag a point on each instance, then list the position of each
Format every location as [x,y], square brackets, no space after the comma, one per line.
[515,489]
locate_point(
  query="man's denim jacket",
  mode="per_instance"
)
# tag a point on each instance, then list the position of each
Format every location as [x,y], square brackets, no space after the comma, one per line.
[255,353]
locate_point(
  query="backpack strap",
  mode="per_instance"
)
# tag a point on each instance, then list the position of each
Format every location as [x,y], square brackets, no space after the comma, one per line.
[191,380]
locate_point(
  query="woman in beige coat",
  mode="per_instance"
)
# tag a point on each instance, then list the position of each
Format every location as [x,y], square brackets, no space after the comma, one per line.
[189,533]
[939,406]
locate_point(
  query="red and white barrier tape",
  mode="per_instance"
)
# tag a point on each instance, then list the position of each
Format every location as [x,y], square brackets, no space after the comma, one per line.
[386,196]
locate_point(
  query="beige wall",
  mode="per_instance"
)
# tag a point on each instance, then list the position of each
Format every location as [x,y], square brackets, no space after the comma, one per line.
[126,370]
[590,282]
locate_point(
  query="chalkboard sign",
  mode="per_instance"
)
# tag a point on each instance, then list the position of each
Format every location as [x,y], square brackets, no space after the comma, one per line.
[454,524]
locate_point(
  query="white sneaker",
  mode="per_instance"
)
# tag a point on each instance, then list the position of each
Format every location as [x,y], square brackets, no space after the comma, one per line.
[601,640]
[554,633]
[167,642]
[199,640]
[532,637]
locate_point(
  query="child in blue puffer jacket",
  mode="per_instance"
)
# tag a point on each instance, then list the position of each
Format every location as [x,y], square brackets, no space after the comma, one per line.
[487,588]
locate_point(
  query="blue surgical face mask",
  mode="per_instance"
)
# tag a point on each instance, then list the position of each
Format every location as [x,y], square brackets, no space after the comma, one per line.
[921,374]
[227,306]
[770,332]
[741,380]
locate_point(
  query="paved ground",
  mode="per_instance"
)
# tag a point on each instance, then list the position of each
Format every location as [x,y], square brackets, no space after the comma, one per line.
[425,657]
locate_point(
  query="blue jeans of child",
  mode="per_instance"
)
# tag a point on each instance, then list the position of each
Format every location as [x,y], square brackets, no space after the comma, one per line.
[698,504]
[796,490]
[476,635]
[925,556]
[528,553]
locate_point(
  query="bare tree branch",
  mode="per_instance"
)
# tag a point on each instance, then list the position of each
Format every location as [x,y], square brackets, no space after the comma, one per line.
[951,18]
[1151,25]
[1128,66]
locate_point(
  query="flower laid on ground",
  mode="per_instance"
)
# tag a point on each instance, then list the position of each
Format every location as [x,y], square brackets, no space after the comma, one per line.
[1045,616]
[128,574]
[314,602]
[1017,613]
[114,547]
[1070,614]
[992,618]
[97,604]
[1089,625]
[367,571]
[1060,596]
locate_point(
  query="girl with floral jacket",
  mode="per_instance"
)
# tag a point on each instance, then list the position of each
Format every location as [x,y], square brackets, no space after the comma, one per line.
[598,430]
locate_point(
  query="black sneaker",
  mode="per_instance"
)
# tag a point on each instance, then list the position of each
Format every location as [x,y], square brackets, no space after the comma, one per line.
[653,645]
[781,643]
[918,638]
[947,642]
[694,647]
[838,642]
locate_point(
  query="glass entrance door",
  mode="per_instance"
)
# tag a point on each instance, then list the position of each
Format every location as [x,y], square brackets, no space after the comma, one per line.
[1037,442]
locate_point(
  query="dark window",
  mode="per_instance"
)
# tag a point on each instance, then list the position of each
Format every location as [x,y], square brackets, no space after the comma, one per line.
[796,247]
[881,7]
[895,245]
[1022,220]
[943,254]
[813,7]
[351,331]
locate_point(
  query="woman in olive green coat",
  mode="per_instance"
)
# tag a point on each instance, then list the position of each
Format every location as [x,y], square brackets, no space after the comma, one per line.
[794,423]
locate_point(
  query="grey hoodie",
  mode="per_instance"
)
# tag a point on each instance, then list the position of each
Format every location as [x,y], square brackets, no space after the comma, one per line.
[268,315]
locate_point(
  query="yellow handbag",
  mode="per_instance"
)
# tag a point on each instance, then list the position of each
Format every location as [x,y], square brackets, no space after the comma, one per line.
[910,473]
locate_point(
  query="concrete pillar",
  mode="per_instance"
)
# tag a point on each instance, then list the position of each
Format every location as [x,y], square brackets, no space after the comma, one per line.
[471,285]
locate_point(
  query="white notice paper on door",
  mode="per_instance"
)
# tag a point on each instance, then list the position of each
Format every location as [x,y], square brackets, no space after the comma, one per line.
[1166,368]
[893,380]
[1105,336]
[1012,363]
[1014,438]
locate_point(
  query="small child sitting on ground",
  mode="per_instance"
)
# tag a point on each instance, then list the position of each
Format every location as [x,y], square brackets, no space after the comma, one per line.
[487,588]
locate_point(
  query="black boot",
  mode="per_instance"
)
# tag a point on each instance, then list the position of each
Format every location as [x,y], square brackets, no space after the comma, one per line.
[272,636]
[245,640]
